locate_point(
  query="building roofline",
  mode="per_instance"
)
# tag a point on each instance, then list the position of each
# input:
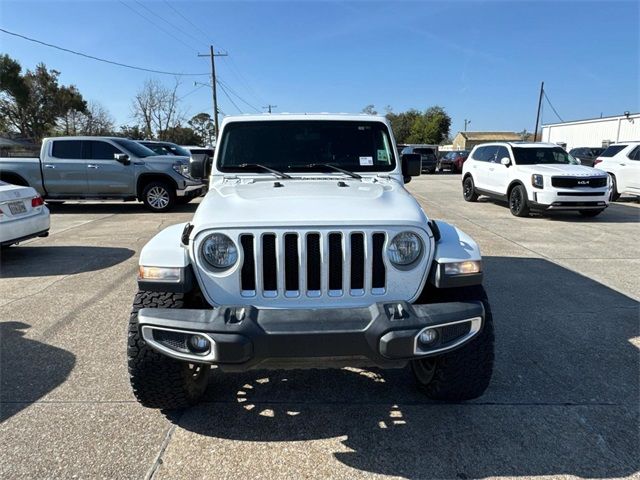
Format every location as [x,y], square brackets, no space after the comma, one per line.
[590,119]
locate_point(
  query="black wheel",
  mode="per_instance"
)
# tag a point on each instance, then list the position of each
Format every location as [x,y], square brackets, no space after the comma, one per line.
[159,381]
[518,204]
[465,373]
[591,213]
[469,190]
[158,196]
[614,189]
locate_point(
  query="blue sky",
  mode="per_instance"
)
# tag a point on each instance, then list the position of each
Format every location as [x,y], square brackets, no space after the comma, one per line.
[479,60]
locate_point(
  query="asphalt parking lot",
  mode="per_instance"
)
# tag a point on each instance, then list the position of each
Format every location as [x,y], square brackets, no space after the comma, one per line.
[563,400]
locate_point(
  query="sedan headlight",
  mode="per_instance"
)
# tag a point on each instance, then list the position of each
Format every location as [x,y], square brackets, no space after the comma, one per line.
[404,249]
[219,251]
[537,180]
[182,169]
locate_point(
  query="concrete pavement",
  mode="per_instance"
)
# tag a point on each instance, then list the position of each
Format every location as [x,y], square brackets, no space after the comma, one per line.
[563,401]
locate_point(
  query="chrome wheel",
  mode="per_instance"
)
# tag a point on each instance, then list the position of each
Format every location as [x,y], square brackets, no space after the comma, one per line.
[158,197]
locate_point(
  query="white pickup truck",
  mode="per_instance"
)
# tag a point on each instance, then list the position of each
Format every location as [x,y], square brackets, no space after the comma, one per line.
[104,168]
[308,251]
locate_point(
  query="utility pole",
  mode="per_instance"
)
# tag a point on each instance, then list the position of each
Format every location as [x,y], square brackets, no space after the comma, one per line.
[214,90]
[535,132]
[269,107]
[466,122]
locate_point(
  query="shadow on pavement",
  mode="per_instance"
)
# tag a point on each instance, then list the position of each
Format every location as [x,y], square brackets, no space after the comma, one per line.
[42,261]
[114,208]
[563,399]
[28,369]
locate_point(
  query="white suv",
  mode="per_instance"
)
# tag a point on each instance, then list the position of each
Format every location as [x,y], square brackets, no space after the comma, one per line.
[534,177]
[622,162]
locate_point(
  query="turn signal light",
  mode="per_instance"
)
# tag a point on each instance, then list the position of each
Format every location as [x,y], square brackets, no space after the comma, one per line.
[37,201]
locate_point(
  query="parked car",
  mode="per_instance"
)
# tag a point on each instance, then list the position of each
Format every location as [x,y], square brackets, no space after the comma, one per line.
[586,155]
[203,155]
[428,154]
[453,161]
[622,162]
[534,177]
[99,168]
[165,148]
[309,253]
[23,214]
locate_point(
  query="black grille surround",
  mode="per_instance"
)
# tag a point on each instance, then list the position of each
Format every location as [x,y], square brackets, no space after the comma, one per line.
[579,182]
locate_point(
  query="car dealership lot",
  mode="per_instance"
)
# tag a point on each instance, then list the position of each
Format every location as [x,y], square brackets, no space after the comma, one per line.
[563,400]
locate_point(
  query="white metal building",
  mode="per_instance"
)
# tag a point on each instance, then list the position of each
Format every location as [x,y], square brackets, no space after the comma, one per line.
[594,132]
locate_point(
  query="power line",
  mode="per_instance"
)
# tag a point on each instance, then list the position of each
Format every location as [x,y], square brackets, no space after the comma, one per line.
[193,91]
[24,37]
[206,36]
[171,25]
[190,47]
[552,107]
[224,90]
[220,82]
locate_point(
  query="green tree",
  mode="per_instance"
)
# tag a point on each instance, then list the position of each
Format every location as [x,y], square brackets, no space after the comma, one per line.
[431,127]
[203,125]
[134,132]
[370,110]
[34,102]
[182,136]
[401,123]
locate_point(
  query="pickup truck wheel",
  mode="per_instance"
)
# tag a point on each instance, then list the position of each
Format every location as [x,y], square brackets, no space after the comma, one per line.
[518,204]
[465,373]
[159,381]
[158,196]
[469,190]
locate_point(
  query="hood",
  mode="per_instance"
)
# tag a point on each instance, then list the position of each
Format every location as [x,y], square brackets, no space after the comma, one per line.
[562,170]
[308,202]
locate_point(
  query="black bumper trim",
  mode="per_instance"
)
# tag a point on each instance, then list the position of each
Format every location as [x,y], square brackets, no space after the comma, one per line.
[246,336]
[43,233]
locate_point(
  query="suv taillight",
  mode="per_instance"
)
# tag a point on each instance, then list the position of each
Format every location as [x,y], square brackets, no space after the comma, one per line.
[597,161]
[37,201]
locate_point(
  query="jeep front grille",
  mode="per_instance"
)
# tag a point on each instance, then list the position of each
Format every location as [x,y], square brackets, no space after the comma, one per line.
[312,264]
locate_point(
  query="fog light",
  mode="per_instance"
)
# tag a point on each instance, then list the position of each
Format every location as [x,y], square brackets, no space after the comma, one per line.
[428,336]
[198,344]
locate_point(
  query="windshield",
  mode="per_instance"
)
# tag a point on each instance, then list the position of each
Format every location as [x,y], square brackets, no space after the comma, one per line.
[177,149]
[135,148]
[293,145]
[534,156]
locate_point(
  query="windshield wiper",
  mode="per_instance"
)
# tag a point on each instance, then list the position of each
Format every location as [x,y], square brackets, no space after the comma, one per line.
[333,167]
[277,173]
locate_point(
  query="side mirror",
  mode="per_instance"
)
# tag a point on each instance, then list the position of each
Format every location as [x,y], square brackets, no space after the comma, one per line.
[411,165]
[198,165]
[123,158]
[506,161]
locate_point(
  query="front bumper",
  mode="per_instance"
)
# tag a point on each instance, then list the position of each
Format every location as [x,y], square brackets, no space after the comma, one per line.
[244,337]
[575,199]
[192,191]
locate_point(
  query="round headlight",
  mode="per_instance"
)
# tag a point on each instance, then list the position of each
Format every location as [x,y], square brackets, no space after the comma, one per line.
[219,251]
[404,249]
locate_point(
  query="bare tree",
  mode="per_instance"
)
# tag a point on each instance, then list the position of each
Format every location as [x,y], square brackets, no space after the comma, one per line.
[96,120]
[156,108]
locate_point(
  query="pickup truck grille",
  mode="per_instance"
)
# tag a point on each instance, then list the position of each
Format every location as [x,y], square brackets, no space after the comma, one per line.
[312,264]
[573,182]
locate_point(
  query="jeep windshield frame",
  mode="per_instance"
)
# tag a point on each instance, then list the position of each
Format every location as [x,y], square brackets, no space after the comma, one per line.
[292,145]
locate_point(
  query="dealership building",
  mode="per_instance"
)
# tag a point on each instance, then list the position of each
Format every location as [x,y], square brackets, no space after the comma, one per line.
[594,132]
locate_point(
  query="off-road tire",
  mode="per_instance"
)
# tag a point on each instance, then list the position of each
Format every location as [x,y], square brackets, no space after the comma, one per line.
[159,196]
[518,203]
[465,373]
[159,381]
[469,190]
[591,213]
[615,195]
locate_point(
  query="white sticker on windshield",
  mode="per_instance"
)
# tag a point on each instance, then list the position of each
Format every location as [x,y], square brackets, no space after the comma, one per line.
[366,160]
[382,156]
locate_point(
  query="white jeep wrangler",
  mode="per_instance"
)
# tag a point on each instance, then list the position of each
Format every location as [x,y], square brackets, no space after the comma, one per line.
[308,252]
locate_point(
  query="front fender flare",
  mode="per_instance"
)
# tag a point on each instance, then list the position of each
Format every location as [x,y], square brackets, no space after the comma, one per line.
[453,246]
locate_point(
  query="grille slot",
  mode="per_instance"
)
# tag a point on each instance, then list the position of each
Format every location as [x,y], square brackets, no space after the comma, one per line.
[269,263]
[357,261]
[335,261]
[453,332]
[313,262]
[378,272]
[573,182]
[173,340]
[248,273]
[291,271]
